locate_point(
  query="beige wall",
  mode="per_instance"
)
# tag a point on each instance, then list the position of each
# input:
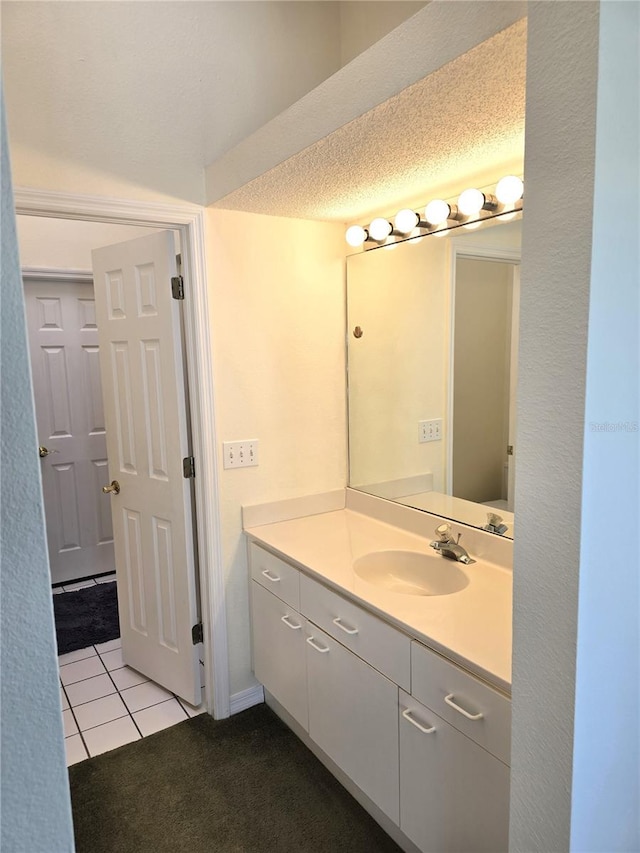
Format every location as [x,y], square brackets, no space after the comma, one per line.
[481,378]
[398,369]
[66,244]
[277,317]
[364,23]
[133,99]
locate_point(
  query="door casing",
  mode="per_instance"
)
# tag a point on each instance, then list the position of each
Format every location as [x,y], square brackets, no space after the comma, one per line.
[189,221]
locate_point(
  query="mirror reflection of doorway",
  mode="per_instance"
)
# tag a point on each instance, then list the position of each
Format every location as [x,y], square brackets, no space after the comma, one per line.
[484,381]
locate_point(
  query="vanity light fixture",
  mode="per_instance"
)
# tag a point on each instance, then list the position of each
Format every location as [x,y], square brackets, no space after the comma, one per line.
[441,217]
[509,189]
[407,220]
[438,211]
[356,236]
[380,229]
[471,202]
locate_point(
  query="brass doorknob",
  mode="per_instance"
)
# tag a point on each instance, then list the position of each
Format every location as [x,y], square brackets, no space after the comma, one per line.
[43,451]
[113,488]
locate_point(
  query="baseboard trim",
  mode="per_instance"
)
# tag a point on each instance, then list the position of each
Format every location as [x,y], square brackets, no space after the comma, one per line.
[246,699]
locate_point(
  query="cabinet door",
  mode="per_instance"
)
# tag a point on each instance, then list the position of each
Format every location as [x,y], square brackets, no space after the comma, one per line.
[279,651]
[353,718]
[454,795]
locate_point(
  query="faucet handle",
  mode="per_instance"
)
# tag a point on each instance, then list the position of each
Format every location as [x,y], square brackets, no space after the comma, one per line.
[443,532]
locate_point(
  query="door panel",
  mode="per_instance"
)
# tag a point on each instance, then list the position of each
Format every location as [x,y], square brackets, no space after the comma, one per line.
[143,385]
[63,341]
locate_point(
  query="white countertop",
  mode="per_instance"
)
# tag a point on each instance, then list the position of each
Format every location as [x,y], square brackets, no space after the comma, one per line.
[471,627]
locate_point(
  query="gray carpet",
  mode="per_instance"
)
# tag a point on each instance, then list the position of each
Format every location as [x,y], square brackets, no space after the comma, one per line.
[228,786]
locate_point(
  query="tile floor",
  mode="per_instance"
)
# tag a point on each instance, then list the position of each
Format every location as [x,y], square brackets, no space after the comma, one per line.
[106,704]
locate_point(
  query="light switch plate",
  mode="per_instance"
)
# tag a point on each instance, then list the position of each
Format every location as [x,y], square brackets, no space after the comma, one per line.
[240,454]
[430,430]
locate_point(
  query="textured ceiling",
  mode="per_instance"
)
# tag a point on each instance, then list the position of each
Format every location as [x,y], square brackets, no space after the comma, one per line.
[466,119]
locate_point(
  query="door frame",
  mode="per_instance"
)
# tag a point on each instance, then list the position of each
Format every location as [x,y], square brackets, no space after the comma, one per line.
[477,253]
[189,221]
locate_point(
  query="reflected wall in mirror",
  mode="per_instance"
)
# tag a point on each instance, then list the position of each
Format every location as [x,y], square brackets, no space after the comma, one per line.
[432,372]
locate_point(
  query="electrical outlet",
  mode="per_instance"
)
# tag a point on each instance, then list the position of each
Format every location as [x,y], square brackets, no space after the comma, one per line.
[430,430]
[240,454]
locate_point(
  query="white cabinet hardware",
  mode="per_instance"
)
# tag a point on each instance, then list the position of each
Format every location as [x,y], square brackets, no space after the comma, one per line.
[339,624]
[287,621]
[449,700]
[322,649]
[273,578]
[407,715]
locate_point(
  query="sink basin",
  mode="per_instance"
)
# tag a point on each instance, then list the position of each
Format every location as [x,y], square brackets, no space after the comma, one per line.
[411,572]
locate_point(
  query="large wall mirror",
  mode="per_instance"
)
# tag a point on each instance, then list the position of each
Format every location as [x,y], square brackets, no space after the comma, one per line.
[432,361]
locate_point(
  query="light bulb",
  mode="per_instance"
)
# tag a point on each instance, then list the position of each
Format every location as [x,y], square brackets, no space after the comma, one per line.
[471,202]
[437,212]
[356,235]
[509,189]
[380,229]
[406,220]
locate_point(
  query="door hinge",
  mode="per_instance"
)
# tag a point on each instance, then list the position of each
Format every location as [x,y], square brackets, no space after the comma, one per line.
[177,287]
[197,634]
[509,449]
[189,467]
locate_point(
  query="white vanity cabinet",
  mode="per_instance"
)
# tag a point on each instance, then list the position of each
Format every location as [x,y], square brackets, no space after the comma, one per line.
[279,650]
[427,742]
[454,795]
[353,718]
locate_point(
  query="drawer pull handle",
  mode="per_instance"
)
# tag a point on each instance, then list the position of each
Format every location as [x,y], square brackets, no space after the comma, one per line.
[449,700]
[290,624]
[339,624]
[270,577]
[407,715]
[322,649]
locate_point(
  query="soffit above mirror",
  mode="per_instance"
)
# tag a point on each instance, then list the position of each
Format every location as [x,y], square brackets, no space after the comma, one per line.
[464,120]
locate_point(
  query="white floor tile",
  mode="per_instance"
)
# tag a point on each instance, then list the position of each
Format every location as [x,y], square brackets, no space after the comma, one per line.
[72,672]
[111,735]
[144,695]
[109,646]
[191,710]
[160,716]
[79,654]
[113,660]
[100,711]
[75,750]
[72,587]
[69,723]
[63,700]
[106,579]
[127,677]
[90,689]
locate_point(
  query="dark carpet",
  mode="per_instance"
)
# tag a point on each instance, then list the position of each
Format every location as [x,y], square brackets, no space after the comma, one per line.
[227,786]
[86,616]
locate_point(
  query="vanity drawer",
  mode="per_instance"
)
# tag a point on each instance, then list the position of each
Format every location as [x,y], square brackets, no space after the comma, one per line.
[474,708]
[377,643]
[275,575]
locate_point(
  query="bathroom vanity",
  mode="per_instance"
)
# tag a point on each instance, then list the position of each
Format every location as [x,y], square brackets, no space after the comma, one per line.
[393,664]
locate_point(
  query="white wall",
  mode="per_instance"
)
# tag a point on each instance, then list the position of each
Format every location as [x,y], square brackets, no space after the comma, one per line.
[606,768]
[133,99]
[364,23]
[36,813]
[66,244]
[575,740]
[277,315]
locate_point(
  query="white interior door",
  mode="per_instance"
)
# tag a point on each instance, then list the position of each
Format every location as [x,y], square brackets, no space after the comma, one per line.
[143,386]
[63,340]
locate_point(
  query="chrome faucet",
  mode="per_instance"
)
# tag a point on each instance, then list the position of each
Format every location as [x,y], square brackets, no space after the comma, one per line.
[450,548]
[495,524]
